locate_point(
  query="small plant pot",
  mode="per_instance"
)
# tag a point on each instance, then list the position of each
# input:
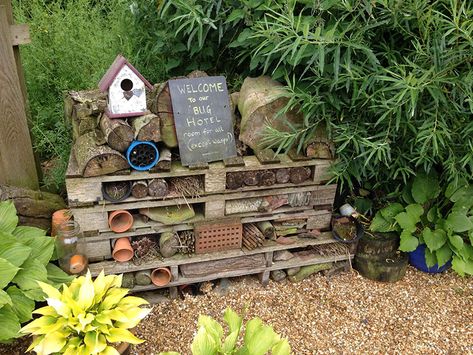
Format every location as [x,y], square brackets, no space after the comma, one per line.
[142,155]
[120,221]
[59,217]
[417,259]
[122,250]
[77,264]
[121,191]
[161,276]
[353,228]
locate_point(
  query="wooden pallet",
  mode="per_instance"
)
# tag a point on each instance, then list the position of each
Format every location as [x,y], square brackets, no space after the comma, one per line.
[88,191]
[263,268]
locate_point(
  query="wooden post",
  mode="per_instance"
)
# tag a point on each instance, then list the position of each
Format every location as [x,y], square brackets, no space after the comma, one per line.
[17,162]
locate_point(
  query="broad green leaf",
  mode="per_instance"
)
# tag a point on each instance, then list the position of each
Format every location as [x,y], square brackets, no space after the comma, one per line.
[430,258]
[434,239]
[9,323]
[433,214]
[4,299]
[39,325]
[119,335]
[31,272]
[113,296]
[233,320]
[52,343]
[444,254]
[391,211]
[212,327]
[459,265]
[469,267]
[455,186]
[406,222]
[22,305]
[262,340]
[8,217]
[86,292]
[380,224]
[281,348]
[133,301]
[425,187]
[470,235]
[8,272]
[28,232]
[42,246]
[459,222]
[230,343]
[204,344]
[16,253]
[456,241]
[57,276]
[109,350]
[408,241]
[414,210]
[35,294]
[95,342]
[236,14]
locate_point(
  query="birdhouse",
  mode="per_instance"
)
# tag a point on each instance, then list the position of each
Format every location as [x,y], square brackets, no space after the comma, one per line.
[126,89]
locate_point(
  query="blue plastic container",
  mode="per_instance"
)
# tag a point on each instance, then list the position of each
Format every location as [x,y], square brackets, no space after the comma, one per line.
[417,259]
[142,155]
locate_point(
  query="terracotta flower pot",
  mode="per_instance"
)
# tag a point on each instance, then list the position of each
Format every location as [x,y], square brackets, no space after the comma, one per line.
[120,221]
[59,217]
[161,276]
[77,264]
[122,250]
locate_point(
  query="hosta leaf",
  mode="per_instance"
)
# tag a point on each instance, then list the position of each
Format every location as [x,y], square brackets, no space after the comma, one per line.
[28,232]
[230,342]
[4,299]
[281,348]
[430,258]
[133,301]
[444,254]
[22,305]
[95,342]
[57,276]
[212,327]
[262,340]
[122,335]
[8,217]
[113,297]
[52,343]
[15,252]
[434,239]
[456,241]
[86,293]
[110,350]
[8,272]
[408,241]
[42,246]
[391,211]
[39,324]
[32,271]
[49,290]
[459,265]
[9,323]
[46,311]
[459,222]
[233,320]
[425,187]
[204,344]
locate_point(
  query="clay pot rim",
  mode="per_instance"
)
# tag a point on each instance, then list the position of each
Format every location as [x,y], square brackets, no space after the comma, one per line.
[161,270]
[122,250]
[116,213]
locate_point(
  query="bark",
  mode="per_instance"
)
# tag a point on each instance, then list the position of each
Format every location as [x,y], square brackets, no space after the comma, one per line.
[139,189]
[95,160]
[117,133]
[158,188]
[234,180]
[168,244]
[252,178]
[282,176]
[147,128]
[268,178]
[299,175]
[267,229]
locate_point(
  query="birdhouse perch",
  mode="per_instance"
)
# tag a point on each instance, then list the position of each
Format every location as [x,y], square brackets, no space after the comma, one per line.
[126,89]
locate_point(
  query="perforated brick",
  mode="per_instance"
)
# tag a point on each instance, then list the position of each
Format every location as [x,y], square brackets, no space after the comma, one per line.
[225,234]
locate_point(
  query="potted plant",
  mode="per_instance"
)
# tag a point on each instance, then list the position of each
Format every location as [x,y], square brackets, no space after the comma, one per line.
[435,225]
[87,317]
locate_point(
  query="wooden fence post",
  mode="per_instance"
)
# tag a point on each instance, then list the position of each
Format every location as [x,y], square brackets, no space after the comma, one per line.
[17,162]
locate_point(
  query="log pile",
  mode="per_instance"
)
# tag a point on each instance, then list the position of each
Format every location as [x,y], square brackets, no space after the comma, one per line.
[252,236]
[268,177]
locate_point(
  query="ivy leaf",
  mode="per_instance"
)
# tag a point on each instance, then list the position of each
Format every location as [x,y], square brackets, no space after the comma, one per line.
[8,217]
[434,239]
[459,222]
[425,187]
[430,258]
[408,241]
[444,254]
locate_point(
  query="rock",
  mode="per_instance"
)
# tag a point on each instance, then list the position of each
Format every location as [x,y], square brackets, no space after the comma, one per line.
[154,297]
[292,271]
[306,271]
[282,255]
[278,275]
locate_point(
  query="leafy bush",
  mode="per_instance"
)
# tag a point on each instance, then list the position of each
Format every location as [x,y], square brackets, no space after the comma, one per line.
[25,253]
[259,339]
[86,317]
[73,44]
[392,80]
[442,219]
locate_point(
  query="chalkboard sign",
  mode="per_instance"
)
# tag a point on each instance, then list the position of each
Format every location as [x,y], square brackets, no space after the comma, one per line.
[203,120]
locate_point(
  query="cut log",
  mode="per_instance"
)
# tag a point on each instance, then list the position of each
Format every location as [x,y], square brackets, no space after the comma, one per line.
[234,180]
[282,176]
[252,178]
[320,146]
[299,175]
[139,189]
[165,113]
[168,244]
[147,128]
[237,265]
[267,229]
[268,178]
[158,188]
[164,162]
[117,133]
[259,103]
[96,160]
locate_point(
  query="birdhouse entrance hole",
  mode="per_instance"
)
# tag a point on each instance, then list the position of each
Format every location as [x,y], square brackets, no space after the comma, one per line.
[126,85]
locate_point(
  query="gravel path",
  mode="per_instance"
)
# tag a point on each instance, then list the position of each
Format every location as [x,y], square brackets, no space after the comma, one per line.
[424,314]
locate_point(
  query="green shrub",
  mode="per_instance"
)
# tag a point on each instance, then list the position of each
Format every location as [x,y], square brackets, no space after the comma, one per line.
[392,80]
[73,44]
[25,253]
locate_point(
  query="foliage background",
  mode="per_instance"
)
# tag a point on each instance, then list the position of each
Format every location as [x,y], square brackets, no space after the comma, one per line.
[392,80]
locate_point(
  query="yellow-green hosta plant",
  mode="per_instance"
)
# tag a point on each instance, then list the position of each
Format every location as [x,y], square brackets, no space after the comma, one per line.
[259,339]
[86,317]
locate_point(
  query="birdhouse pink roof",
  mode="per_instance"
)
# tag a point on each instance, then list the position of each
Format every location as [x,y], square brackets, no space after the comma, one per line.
[113,71]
